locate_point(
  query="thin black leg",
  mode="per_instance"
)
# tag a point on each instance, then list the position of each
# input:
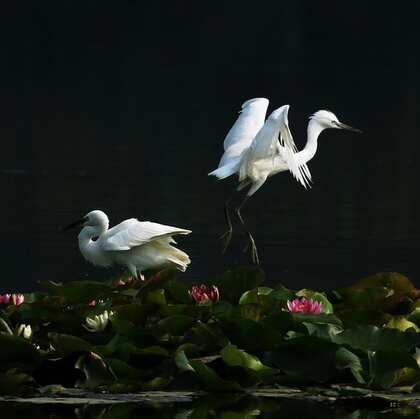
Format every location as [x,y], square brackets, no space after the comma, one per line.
[226,237]
[251,245]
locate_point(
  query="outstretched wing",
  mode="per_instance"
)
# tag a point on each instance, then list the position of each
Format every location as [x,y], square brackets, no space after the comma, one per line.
[288,151]
[264,145]
[131,233]
[274,138]
[245,128]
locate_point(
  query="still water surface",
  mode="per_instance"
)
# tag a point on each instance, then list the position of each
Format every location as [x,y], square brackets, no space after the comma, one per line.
[216,406]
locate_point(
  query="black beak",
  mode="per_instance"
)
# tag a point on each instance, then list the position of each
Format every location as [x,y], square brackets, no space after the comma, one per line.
[348,127]
[75,224]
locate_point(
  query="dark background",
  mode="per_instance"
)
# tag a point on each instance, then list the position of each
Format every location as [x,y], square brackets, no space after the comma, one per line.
[123,106]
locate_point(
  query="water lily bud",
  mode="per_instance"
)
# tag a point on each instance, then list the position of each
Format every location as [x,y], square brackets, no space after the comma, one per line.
[17,299]
[202,293]
[5,299]
[25,331]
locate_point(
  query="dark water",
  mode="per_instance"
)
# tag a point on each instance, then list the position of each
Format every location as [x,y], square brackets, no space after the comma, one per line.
[125,109]
[216,406]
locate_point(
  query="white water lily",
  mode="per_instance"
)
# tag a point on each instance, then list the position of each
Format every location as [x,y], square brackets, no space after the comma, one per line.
[25,331]
[99,322]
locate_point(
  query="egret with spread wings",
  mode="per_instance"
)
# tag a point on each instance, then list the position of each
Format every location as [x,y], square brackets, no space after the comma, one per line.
[256,150]
[137,245]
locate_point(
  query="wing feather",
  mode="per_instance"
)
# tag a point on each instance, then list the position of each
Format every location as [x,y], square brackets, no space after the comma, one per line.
[131,233]
[264,145]
[289,150]
[249,122]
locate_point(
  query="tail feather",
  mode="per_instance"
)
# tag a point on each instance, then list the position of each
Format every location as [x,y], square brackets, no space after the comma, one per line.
[179,258]
[227,170]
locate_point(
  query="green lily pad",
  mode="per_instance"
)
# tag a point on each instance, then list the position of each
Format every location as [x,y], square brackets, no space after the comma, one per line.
[235,357]
[79,291]
[211,381]
[386,364]
[372,338]
[67,344]
[312,359]
[175,325]
[17,352]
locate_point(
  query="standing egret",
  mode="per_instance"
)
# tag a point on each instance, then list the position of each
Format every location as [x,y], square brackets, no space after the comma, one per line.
[255,150]
[137,245]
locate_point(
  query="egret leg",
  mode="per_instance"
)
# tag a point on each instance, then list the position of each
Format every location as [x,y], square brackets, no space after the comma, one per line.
[251,245]
[227,235]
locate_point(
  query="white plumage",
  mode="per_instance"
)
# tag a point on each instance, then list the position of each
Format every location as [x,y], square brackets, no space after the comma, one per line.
[256,150]
[137,245]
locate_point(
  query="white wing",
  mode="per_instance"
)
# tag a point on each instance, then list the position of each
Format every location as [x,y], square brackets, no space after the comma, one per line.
[245,128]
[289,150]
[264,145]
[131,233]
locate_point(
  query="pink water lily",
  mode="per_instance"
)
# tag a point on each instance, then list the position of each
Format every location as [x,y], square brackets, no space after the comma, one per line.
[203,293]
[303,305]
[4,299]
[15,299]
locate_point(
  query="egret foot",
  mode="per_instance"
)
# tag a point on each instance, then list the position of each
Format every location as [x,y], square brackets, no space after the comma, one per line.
[252,248]
[226,237]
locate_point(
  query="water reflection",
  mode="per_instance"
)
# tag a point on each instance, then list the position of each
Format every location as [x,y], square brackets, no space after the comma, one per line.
[225,406]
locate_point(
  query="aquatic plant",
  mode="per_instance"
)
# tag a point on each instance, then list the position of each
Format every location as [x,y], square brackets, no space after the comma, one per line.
[303,305]
[203,294]
[99,322]
[15,299]
[163,334]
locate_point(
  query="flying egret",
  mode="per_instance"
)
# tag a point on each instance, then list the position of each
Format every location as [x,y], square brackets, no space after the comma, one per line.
[256,150]
[137,245]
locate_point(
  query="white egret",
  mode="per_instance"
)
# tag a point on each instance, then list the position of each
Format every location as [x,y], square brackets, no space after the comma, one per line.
[256,150]
[137,245]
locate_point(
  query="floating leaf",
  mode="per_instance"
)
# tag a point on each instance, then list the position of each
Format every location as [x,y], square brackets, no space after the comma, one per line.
[250,335]
[66,344]
[157,383]
[175,325]
[95,369]
[235,357]
[312,359]
[210,380]
[401,323]
[182,362]
[79,291]
[16,383]
[386,365]
[17,352]
[372,338]
[252,296]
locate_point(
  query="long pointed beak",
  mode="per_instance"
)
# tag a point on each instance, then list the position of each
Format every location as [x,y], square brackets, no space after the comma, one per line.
[348,127]
[75,224]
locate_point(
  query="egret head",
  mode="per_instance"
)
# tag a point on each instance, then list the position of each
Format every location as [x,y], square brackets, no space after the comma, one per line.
[328,120]
[96,218]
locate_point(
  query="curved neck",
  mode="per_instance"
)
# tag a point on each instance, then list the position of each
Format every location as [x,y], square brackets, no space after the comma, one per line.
[89,248]
[314,129]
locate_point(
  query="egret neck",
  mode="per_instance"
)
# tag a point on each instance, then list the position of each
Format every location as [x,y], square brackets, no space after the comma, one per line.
[308,152]
[90,248]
